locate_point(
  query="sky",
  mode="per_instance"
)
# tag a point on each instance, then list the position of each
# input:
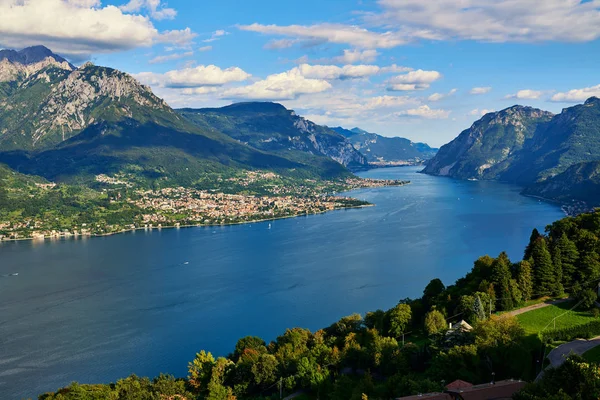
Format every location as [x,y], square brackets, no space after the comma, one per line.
[425,70]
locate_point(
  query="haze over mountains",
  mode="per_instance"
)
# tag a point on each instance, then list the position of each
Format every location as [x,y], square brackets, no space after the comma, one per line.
[69,124]
[552,156]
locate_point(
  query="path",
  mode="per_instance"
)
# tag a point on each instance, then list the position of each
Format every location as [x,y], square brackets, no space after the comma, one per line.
[536,306]
[579,346]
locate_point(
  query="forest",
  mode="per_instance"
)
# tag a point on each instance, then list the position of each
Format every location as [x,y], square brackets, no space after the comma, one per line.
[409,348]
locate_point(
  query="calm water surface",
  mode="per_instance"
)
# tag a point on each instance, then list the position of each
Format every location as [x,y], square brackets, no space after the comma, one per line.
[98,309]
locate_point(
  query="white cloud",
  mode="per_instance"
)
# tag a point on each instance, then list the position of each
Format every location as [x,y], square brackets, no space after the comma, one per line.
[394,69]
[79,28]
[170,57]
[527,94]
[154,8]
[216,35]
[331,33]
[577,95]
[335,72]
[387,102]
[480,90]
[414,80]
[280,44]
[199,90]
[425,112]
[479,112]
[284,86]
[440,96]
[492,20]
[354,56]
[205,48]
[193,77]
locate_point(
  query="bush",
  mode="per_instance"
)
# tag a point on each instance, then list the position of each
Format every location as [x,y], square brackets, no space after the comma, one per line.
[584,331]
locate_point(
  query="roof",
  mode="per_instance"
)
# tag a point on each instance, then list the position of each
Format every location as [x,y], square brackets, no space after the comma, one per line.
[458,384]
[501,390]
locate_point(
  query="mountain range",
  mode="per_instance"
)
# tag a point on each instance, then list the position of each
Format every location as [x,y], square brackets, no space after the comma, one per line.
[70,124]
[381,150]
[552,156]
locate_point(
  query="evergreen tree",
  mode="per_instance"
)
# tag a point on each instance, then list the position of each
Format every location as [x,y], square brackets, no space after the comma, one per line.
[543,269]
[501,278]
[535,235]
[525,279]
[478,309]
[568,257]
[557,261]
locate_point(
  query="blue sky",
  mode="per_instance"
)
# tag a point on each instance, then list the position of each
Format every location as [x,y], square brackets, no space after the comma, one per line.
[419,69]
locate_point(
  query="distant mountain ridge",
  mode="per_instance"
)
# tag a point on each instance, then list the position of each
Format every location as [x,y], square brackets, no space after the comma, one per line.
[383,150]
[552,156]
[66,123]
[271,127]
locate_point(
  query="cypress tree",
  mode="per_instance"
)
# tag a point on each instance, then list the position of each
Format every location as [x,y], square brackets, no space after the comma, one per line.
[478,309]
[525,279]
[556,260]
[544,277]
[568,259]
[501,277]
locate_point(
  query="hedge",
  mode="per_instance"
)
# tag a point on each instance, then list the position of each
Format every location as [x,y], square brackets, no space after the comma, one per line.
[585,331]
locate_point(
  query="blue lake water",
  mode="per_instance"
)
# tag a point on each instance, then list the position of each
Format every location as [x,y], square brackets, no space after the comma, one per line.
[97,309]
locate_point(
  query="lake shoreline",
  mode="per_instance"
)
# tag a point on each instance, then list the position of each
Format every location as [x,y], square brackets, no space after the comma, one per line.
[148,228]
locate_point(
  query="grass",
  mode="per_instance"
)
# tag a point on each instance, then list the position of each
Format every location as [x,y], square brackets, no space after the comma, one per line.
[592,355]
[536,320]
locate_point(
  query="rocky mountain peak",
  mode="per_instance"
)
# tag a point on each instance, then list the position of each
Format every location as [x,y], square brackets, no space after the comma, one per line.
[20,65]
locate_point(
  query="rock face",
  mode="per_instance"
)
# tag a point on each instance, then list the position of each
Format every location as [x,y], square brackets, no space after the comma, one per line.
[482,151]
[272,127]
[383,150]
[70,124]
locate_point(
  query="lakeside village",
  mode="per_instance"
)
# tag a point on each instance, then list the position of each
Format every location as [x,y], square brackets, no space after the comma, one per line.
[179,206]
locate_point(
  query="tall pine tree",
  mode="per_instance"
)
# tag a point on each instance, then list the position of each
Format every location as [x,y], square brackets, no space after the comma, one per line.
[557,261]
[535,235]
[568,259]
[544,276]
[501,277]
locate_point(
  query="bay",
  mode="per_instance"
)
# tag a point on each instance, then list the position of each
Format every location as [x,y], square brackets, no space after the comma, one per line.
[97,309]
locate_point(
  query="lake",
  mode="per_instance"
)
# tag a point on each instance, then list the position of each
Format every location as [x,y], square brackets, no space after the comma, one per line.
[97,309]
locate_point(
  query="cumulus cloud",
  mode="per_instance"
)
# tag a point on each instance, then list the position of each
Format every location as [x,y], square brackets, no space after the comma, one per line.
[414,80]
[492,20]
[170,57]
[527,94]
[335,72]
[331,33]
[154,8]
[194,77]
[440,96]
[216,35]
[284,86]
[425,112]
[354,56]
[480,90]
[577,95]
[199,90]
[78,28]
[479,112]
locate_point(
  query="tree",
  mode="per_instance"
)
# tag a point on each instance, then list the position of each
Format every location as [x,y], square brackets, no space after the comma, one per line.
[478,309]
[587,297]
[503,330]
[375,320]
[249,342]
[543,269]
[264,370]
[525,279]
[432,293]
[434,322]
[200,370]
[216,388]
[501,277]
[535,235]
[557,262]
[568,257]
[399,317]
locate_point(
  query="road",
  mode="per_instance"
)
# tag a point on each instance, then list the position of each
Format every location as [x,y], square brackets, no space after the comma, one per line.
[558,355]
[536,306]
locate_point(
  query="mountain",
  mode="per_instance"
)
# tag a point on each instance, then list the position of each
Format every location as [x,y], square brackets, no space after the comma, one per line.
[478,152]
[271,127]
[386,150]
[67,123]
[580,181]
[552,156]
